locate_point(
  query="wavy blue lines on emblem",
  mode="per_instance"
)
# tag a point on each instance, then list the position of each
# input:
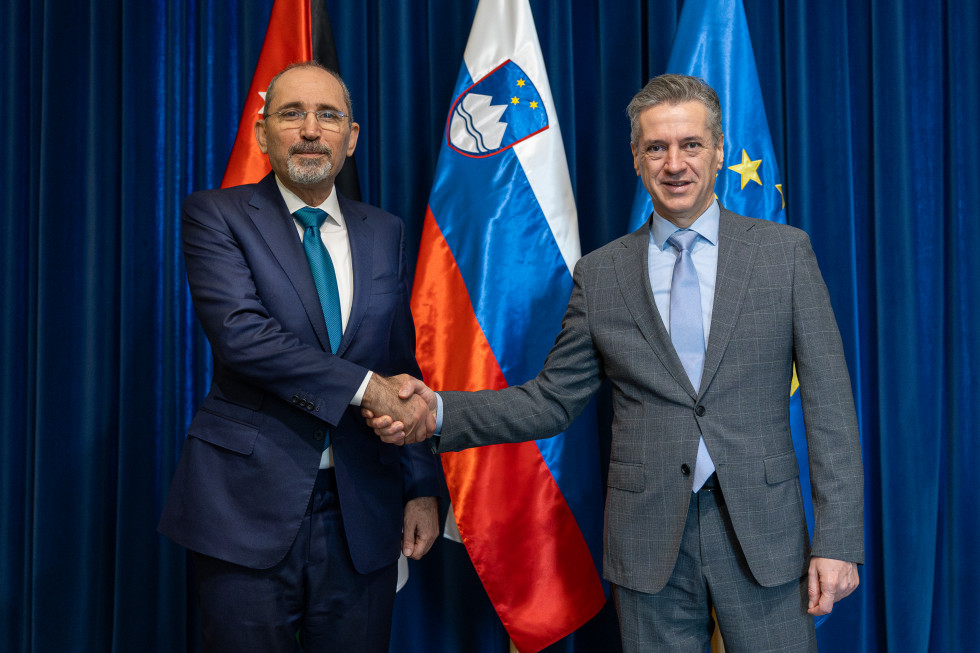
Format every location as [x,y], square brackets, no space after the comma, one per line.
[500,110]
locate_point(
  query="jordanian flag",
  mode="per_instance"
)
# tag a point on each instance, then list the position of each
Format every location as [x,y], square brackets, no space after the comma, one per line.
[492,283]
[299,30]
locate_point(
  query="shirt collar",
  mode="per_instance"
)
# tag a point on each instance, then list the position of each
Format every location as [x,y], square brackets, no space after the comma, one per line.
[331,205]
[706,225]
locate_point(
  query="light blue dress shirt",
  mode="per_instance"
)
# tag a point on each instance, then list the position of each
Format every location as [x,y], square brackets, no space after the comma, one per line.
[662,256]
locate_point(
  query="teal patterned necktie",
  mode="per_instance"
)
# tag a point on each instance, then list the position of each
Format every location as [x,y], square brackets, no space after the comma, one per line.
[324,277]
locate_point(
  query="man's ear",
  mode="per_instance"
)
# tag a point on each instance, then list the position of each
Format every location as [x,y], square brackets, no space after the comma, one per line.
[260,135]
[355,129]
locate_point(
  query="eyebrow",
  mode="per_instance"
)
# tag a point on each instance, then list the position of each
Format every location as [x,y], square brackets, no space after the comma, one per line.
[682,141]
[296,104]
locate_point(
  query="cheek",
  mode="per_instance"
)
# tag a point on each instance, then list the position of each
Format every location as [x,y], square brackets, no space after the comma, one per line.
[650,168]
[341,146]
[277,148]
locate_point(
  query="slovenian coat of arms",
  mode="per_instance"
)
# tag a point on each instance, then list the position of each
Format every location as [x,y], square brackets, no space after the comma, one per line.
[500,110]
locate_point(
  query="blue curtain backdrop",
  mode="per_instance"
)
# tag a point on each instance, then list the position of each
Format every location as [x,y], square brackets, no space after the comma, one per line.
[115,111]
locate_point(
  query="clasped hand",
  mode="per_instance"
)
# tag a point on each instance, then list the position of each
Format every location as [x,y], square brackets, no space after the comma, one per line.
[401,409]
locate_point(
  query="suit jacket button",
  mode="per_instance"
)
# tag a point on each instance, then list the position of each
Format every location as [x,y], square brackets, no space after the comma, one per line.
[685,469]
[296,399]
[699,411]
[318,435]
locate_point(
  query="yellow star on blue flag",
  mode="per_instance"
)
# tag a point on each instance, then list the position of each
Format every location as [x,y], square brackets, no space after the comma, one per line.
[748,169]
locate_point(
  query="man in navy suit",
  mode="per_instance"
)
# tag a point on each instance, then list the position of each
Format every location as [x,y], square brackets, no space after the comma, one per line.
[295,513]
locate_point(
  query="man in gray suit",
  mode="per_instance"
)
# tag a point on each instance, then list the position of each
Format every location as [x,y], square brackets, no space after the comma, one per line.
[704,508]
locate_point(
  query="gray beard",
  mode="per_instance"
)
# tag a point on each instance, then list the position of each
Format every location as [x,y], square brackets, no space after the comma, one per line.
[308,173]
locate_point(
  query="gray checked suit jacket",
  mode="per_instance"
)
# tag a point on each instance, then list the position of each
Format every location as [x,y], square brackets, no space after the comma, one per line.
[771,309]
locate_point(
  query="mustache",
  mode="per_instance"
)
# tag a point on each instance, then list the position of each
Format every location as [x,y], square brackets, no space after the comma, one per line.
[311,148]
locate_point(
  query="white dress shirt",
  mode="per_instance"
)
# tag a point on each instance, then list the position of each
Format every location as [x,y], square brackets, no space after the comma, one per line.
[333,233]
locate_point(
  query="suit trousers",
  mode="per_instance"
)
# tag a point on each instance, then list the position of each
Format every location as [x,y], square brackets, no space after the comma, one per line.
[711,572]
[315,592]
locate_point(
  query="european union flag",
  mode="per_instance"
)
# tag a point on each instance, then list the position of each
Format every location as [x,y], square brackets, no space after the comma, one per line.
[712,42]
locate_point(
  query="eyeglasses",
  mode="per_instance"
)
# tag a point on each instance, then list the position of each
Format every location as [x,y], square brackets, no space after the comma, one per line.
[327,118]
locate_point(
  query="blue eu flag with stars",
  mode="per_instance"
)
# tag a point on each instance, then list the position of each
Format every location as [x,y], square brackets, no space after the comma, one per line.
[712,42]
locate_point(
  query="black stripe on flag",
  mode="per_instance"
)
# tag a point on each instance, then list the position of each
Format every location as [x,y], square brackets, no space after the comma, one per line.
[325,53]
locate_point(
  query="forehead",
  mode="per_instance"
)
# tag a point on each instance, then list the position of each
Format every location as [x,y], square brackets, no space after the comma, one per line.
[308,86]
[674,122]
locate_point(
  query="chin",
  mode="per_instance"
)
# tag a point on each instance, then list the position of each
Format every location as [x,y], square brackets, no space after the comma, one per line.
[677,208]
[309,176]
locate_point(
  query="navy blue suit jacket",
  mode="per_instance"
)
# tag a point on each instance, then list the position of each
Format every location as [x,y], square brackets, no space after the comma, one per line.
[248,466]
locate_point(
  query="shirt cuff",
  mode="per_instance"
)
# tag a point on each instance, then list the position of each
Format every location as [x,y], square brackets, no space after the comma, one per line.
[438,415]
[359,395]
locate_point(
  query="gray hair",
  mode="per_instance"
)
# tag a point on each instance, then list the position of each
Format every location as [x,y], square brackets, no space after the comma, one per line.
[675,89]
[271,90]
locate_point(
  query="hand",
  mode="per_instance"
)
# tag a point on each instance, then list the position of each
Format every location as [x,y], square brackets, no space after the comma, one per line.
[389,427]
[421,526]
[395,399]
[830,581]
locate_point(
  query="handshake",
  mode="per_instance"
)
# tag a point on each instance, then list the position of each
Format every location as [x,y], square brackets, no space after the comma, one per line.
[401,409]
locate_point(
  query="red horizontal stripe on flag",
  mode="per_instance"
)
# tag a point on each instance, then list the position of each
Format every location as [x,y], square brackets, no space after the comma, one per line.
[522,539]
[450,346]
[516,546]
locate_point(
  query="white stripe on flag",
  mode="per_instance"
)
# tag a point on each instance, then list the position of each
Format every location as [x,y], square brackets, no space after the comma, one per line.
[510,33]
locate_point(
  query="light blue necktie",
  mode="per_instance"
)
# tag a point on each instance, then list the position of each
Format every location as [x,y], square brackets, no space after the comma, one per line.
[324,276]
[687,330]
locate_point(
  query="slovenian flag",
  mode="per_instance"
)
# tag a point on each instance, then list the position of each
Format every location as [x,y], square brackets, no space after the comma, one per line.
[299,30]
[493,279]
[712,42]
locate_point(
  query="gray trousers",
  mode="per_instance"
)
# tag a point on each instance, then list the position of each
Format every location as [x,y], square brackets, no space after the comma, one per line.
[711,572]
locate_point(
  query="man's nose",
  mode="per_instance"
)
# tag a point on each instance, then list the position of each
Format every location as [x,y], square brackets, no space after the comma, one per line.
[673,161]
[311,127]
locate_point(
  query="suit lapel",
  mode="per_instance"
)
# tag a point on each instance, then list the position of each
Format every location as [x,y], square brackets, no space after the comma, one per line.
[360,234]
[736,252]
[633,275]
[268,212]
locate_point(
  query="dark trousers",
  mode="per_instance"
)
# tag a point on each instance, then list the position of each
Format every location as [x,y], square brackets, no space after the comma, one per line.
[711,572]
[315,591]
